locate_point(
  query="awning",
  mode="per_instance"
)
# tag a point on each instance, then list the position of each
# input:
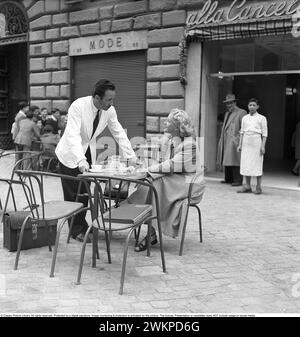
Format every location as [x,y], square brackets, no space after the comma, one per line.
[240,29]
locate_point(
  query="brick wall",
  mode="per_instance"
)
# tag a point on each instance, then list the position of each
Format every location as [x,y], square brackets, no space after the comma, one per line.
[52,24]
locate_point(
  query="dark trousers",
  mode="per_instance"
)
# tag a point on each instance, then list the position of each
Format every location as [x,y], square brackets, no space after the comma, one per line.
[232,174]
[70,189]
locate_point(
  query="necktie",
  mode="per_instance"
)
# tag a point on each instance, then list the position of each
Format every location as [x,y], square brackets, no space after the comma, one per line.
[96,122]
[88,151]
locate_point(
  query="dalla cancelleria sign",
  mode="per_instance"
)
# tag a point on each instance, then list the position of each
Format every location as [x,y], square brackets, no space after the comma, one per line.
[241,10]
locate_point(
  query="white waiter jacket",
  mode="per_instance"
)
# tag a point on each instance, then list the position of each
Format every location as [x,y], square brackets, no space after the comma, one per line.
[77,136]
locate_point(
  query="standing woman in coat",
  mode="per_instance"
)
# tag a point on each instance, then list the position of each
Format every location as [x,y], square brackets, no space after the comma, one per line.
[27,131]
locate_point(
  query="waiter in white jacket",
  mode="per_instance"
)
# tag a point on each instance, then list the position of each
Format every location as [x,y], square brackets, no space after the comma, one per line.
[76,151]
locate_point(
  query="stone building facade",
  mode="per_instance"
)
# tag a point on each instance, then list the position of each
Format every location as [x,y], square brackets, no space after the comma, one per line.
[196,51]
[53,23]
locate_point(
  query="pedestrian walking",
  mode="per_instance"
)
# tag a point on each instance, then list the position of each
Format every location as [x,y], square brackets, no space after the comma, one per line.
[227,155]
[27,131]
[21,114]
[254,133]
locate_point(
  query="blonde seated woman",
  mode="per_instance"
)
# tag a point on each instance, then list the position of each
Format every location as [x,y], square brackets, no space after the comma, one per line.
[172,176]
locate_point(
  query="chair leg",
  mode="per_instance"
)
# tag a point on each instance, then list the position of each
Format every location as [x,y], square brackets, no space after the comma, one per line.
[200,221]
[20,242]
[49,229]
[70,229]
[95,245]
[82,254]
[107,241]
[95,250]
[137,235]
[124,261]
[183,232]
[162,254]
[56,247]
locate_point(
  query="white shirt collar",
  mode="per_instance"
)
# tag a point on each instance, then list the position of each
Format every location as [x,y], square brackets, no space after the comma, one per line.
[94,108]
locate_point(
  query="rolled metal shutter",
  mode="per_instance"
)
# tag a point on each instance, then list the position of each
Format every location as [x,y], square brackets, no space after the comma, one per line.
[127,70]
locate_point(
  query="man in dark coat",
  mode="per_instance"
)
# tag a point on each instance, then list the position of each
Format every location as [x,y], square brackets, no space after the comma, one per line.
[228,156]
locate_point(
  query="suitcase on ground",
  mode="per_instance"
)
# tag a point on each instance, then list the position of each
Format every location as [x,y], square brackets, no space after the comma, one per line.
[35,234]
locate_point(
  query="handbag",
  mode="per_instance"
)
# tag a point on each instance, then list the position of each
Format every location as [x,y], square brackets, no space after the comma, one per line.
[36,234]
[119,189]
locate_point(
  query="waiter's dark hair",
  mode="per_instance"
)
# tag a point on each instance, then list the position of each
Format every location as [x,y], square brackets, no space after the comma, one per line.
[102,86]
[255,100]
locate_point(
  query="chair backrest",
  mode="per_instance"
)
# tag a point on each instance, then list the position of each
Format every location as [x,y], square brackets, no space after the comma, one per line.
[10,193]
[9,169]
[195,194]
[12,164]
[48,146]
[34,189]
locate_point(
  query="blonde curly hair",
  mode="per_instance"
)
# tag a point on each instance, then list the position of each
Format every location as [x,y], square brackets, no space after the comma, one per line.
[183,122]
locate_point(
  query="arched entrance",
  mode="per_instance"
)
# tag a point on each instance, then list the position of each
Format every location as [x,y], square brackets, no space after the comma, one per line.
[13,65]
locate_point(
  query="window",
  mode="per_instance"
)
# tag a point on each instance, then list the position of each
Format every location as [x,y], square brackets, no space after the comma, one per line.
[271,53]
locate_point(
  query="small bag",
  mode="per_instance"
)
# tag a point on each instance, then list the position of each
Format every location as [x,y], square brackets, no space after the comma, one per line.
[36,234]
[119,189]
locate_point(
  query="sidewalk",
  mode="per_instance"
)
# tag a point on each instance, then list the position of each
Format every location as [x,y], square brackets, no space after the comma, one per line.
[249,262]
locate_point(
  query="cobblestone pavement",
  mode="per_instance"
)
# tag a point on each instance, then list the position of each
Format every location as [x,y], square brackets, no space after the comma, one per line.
[249,262]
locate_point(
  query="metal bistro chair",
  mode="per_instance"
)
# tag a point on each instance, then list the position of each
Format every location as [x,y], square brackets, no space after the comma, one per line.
[192,201]
[44,211]
[49,160]
[31,158]
[125,217]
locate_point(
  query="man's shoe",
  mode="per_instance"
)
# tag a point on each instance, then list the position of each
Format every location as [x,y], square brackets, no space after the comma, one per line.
[258,190]
[80,238]
[236,184]
[225,182]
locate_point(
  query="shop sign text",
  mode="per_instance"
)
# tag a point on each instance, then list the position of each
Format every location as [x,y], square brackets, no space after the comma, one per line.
[240,10]
[108,43]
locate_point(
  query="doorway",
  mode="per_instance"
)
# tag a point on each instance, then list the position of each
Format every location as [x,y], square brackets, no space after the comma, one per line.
[279,101]
[13,87]
[278,96]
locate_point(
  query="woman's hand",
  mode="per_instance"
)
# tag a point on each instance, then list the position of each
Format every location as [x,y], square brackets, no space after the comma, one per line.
[239,148]
[262,150]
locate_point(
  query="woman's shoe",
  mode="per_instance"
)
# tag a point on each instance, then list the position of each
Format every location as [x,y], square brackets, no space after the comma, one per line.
[80,238]
[143,244]
[245,190]
[295,173]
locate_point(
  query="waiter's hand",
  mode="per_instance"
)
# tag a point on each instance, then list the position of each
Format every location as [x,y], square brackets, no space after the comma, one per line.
[262,150]
[83,166]
[239,148]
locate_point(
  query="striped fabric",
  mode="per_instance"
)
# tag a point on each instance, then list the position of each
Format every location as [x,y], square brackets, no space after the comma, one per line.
[240,29]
